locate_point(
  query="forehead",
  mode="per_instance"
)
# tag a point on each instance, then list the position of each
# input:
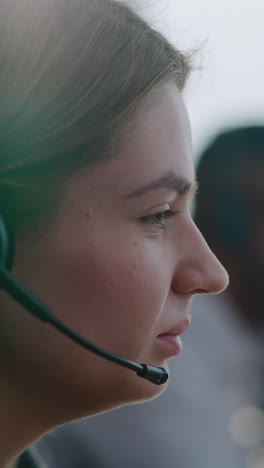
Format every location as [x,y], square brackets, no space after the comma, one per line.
[155,143]
[161,121]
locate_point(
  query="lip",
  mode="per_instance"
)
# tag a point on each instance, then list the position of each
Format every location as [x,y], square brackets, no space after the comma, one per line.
[171,341]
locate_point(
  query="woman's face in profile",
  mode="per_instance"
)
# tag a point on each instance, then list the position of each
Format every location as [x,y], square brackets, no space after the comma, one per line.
[121,265]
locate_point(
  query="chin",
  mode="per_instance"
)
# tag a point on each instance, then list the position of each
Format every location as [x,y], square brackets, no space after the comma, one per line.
[133,391]
[137,389]
[107,388]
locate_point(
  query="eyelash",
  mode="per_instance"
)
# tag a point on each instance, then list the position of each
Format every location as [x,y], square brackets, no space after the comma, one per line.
[158,219]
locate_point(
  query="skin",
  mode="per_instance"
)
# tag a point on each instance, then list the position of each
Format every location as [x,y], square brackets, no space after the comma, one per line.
[113,272]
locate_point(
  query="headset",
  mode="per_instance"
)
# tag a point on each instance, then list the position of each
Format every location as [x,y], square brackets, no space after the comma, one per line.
[38,309]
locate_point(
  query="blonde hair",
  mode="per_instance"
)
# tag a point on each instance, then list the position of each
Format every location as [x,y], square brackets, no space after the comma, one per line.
[71,74]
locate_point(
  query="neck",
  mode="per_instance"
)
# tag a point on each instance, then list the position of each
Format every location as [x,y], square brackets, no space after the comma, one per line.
[30,407]
[16,429]
[22,420]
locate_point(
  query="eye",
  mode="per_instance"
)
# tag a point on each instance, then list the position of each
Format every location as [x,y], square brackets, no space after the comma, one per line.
[159,219]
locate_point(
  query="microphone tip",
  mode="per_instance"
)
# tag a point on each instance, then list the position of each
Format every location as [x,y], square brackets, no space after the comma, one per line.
[156,375]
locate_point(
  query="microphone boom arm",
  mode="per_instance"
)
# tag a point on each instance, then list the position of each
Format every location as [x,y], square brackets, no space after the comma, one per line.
[38,309]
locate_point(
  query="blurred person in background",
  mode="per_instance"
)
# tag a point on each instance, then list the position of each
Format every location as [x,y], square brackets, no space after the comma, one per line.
[209,416]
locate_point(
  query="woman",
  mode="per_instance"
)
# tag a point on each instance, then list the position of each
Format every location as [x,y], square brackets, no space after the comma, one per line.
[96,178]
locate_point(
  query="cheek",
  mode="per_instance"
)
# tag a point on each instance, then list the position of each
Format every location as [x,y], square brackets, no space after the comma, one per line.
[113,296]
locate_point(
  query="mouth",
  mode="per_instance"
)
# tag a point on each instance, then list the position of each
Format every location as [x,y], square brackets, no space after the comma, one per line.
[171,341]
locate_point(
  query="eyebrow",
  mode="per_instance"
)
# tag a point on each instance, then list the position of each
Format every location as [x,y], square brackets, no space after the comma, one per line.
[170,181]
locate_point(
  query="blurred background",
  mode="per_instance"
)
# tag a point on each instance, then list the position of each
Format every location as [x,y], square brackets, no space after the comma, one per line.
[228,87]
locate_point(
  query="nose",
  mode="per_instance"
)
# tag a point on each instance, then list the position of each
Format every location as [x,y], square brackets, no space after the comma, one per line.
[199,270]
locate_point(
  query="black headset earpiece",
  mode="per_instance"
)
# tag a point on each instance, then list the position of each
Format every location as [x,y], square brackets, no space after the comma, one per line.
[7,243]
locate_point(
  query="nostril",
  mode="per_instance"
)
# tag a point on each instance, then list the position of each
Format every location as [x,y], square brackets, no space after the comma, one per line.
[201,291]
